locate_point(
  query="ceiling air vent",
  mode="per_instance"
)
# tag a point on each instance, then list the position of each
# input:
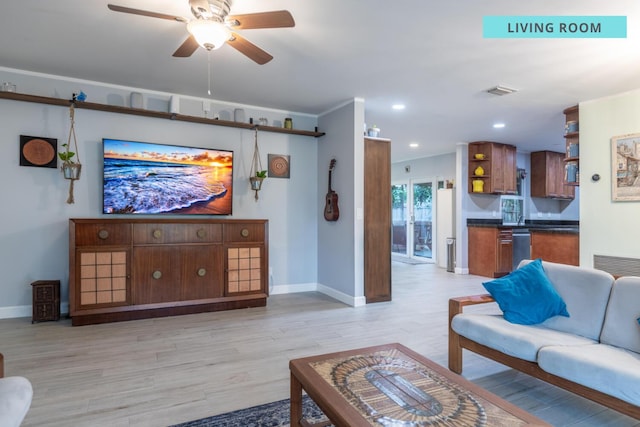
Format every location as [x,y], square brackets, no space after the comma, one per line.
[501,90]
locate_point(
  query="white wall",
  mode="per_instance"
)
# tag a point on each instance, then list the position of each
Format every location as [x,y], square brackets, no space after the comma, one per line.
[340,243]
[442,166]
[606,227]
[34,227]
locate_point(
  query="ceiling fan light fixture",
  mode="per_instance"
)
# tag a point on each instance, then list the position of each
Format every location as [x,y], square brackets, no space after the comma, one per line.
[211,35]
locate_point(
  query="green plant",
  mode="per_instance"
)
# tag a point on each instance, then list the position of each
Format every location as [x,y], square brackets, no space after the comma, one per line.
[261,174]
[66,155]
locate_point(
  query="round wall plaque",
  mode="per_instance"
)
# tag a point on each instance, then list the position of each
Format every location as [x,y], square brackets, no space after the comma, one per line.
[36,151]
[278,166]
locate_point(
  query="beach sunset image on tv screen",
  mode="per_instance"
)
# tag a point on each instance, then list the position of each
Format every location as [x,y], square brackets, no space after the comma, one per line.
[147,178]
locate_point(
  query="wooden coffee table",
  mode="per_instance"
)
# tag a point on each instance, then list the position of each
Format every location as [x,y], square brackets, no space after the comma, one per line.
[393,385]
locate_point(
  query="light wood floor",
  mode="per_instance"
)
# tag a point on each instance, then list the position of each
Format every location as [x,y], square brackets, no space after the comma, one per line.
[159,372]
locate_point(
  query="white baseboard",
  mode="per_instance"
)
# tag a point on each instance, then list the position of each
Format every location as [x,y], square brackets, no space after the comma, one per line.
[316,287]
[26,311]
[292,289]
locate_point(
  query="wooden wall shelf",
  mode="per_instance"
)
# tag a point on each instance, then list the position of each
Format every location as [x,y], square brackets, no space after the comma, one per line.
[150,113]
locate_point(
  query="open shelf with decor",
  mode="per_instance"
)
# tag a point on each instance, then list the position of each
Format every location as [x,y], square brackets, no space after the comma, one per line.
[150,113]
[492,168]
[572,142]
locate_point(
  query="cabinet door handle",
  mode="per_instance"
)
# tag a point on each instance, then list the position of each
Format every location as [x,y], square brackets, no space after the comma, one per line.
[244,232]
[157,234]
[103,234]
[202,272]
[157,274]
[201,233]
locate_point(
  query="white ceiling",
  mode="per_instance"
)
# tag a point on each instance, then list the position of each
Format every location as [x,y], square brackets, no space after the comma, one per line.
[427,54]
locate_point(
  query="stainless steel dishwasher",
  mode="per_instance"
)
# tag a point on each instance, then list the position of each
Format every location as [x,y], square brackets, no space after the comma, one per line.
[521,245]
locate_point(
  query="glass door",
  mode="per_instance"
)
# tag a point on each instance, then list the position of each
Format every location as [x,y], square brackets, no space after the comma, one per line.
[412,218]
[399,216]
[422,204]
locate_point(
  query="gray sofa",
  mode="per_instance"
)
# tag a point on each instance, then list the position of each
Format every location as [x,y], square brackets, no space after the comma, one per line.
[595,352]
[15,398]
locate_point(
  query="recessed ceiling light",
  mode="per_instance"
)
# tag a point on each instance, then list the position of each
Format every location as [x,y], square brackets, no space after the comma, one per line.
[414,145]
[498,125]
[398,106]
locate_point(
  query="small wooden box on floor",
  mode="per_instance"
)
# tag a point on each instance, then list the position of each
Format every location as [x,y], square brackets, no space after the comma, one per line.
[46,300]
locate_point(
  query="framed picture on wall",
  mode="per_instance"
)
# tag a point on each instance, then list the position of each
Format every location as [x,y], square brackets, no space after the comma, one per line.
[625,168]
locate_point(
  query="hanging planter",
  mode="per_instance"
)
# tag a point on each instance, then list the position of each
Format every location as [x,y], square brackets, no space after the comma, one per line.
[70,168]
[256,181]
[257,174]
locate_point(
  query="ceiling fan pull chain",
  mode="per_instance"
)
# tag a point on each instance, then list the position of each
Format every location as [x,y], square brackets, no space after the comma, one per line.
[209,71]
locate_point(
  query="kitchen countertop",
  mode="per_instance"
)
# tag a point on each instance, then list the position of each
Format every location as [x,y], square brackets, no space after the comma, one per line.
[568,227]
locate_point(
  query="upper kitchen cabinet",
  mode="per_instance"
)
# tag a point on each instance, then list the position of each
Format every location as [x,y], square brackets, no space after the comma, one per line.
[492,168]
[547,176]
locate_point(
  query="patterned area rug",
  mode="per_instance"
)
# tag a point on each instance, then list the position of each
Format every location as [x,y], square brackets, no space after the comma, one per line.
[274,414]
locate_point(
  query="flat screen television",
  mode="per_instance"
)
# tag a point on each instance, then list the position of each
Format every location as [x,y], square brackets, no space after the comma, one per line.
[148,178]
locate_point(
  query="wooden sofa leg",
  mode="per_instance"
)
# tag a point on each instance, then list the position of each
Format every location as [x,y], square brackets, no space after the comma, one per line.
[1,365]
[455,351]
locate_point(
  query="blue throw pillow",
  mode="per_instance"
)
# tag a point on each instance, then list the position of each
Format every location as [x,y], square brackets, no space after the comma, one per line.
[526,296]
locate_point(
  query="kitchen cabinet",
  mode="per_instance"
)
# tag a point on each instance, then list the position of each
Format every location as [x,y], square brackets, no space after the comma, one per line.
[492,168]
[124,269]
[547,176]
[572,143]
[561,246]
[490,251]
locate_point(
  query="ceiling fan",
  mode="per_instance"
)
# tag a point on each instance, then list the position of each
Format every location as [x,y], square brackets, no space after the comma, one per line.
[213,27]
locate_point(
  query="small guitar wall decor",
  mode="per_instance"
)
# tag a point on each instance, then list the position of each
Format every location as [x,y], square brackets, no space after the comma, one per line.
[331,211]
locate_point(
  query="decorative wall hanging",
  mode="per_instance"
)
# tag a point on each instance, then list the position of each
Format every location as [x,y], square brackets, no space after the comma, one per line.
[38,151]
[256,174]
[71,168]
[279,165]
[625,168]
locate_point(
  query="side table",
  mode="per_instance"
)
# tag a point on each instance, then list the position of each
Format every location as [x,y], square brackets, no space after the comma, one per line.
[46,300]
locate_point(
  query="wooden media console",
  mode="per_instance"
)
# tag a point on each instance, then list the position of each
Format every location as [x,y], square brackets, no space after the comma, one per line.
[125,269]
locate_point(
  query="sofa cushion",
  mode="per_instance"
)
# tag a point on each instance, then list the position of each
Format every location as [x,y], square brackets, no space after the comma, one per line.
[15,400]
[611,370]
[522,341]
[526,296]
[585,291]
[620,324]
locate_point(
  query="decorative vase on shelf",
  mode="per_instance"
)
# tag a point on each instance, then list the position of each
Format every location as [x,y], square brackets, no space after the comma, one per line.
[479,171]
[478,186]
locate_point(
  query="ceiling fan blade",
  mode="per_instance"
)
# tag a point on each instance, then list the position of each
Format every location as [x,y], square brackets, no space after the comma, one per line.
[187,48]
[249,49]
[249,21]
[123,9]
